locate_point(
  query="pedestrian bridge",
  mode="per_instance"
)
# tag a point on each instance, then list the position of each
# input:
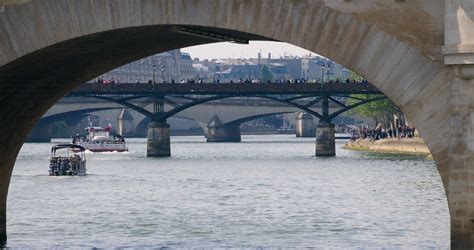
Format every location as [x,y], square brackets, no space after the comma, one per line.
[235,89]
[158,144]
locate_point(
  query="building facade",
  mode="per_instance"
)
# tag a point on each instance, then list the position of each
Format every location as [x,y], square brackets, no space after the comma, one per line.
[167,66]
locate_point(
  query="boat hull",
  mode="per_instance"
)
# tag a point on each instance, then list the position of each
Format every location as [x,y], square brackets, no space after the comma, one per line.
[107,150]
[104,147]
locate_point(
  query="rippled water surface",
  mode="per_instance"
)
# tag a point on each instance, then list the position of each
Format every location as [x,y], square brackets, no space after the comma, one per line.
[267,191]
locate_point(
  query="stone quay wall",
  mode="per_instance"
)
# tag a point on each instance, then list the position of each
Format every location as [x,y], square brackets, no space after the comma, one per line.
[403,145]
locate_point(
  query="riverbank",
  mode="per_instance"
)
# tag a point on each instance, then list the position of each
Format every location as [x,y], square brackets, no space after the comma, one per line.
[403,145]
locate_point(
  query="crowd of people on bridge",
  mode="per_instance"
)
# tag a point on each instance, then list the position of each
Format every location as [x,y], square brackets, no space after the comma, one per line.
[241,80]
[380,132]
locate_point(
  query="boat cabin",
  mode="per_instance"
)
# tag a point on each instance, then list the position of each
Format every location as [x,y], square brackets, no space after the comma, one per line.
[67,159]
[97,139]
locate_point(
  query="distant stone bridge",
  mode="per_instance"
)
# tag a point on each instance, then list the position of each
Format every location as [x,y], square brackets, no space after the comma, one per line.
[228,111]
[183,100]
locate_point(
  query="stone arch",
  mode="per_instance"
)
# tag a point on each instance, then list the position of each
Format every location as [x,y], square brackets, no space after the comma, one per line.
[42,132]
[49,47]
[67,115]
[238,122]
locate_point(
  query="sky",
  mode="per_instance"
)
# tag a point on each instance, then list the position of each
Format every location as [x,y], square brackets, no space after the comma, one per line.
[233,50]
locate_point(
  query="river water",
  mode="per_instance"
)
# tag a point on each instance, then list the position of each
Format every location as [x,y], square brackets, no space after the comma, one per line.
[267,191]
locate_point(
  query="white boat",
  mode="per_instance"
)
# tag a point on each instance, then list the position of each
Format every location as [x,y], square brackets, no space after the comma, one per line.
[71,162]
[98,139]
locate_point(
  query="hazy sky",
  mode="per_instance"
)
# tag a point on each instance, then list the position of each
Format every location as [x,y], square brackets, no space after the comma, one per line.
[233,50]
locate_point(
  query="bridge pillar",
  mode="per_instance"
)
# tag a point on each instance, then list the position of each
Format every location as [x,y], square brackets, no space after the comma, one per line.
[125,123]
[218,132]
[456,167]
[458,46]
[158,140]
[304,125]
[325,139]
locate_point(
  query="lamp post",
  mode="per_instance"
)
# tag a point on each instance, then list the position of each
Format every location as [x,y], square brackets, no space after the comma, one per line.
[216,73]
[322,73]
[154,69]
[163,72]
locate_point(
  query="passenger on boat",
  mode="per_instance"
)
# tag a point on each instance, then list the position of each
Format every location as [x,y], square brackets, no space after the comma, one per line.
[75,158]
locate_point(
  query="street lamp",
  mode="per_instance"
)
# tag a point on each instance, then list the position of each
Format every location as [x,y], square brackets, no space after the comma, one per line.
[163,72]
[322,73]
[154,69]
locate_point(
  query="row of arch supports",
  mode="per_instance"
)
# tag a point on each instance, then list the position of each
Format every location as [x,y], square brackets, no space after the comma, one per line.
[158,136]
[158,131]
[159,145]
[325,133]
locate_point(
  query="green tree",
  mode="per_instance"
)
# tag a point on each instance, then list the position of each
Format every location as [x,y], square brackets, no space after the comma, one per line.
[354,76]
[59,129]
[274,121]
[381,111]
[265,74]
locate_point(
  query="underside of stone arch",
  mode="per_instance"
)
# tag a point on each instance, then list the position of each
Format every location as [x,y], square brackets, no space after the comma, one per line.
[48,47]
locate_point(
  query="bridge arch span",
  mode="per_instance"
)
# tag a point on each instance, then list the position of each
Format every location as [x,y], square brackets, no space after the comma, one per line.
[238,122]
[42,132]
[141,128]
[77,40]
[47,120]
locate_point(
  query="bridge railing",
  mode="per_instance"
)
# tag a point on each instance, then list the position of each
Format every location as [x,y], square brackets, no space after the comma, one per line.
[226,88]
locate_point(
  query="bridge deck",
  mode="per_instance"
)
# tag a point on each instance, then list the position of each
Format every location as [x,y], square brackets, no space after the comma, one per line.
[225,88]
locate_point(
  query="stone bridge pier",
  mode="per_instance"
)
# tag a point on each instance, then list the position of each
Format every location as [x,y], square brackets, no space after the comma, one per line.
[325,132]
[456,163]
[304,125]
[158,133]
[158,139]
[325,139]
[219,132]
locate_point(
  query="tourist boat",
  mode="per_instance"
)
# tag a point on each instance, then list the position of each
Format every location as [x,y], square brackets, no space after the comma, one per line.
[71,162]
[98,139]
